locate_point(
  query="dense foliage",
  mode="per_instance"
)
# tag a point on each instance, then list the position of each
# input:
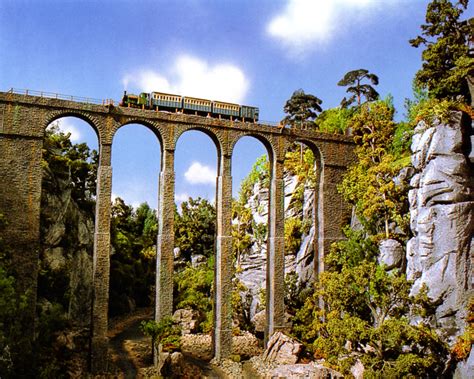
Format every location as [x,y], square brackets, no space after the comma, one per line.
[334,120]
[195,228]
[366,317]
[74,162]
[132,264]
[448,60]
[193,289]
[380,202]
[366,309]
[11,306]
[165,332]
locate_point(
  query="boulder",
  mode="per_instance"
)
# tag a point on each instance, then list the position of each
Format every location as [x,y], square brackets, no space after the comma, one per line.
[246,345]
[391,254]
[187,320]
[357,370]
[282,350]
[198,260]
[259,321]
[198,346]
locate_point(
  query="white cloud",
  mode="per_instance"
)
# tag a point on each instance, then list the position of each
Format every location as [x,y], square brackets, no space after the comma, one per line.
[67,127]
[192,76]
[180,197]
[305,24]
[198,173]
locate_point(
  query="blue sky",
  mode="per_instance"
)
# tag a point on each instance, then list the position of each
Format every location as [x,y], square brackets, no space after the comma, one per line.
[250,52]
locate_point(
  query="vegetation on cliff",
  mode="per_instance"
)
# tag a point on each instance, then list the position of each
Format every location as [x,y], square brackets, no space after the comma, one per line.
[11,306]
[368,309]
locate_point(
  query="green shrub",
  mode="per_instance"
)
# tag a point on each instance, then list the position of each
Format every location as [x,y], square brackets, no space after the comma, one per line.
[165,332]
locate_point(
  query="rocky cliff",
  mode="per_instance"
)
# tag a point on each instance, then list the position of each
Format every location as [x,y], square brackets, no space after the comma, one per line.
[67,236]
[442,219]
[253,264]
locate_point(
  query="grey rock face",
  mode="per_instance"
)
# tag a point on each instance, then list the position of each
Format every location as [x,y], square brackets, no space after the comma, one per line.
[442,219]
[253,264]
[391,254]
[198,260]
[67,243]
[466,368]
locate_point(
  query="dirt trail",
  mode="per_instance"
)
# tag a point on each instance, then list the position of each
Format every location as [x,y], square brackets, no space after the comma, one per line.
[123,334]
[130,351]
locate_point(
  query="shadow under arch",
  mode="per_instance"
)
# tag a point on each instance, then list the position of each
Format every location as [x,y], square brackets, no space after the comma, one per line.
[318,205]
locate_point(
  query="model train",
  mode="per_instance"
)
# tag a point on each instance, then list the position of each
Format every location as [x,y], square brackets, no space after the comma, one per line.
[190,105]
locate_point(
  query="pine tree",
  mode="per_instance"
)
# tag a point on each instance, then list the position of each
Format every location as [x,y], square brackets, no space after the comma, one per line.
[448,59]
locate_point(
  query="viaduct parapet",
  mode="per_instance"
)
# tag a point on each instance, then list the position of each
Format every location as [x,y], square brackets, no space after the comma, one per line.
[23,120]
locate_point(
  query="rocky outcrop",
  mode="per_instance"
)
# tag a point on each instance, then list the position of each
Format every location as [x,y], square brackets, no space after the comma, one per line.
[259,321]
[199,346]
[391,254]
[253,264]
[67,232]
[187,319]
[442,219]
[282,350]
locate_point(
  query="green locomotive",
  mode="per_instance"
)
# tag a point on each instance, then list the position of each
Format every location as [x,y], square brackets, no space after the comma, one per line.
[166,102]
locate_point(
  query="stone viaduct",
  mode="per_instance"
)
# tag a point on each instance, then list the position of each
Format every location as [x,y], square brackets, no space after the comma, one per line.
[23,120]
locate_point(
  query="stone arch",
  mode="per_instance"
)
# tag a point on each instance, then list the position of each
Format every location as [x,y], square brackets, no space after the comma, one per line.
[317,151]
[217,137]
[275,259]
[94,122]
[267,143]
[156,129]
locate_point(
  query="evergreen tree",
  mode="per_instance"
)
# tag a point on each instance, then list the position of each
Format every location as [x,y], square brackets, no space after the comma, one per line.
[353,81]
[448,59]
[301,109]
